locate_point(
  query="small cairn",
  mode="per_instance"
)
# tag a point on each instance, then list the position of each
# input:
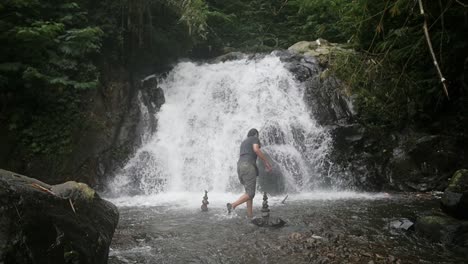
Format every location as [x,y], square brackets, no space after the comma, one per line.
[265,220]
[204,206]
[265,209]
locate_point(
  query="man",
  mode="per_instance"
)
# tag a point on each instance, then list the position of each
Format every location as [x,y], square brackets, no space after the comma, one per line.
[247,170]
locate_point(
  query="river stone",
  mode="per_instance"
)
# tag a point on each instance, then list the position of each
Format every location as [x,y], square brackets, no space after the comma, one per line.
[455,198]
[403,223]
[41,223]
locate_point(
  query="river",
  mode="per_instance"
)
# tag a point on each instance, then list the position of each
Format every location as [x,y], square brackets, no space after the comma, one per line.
[331,227]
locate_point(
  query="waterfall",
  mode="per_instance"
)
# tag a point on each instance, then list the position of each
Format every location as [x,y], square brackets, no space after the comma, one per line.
[208,111]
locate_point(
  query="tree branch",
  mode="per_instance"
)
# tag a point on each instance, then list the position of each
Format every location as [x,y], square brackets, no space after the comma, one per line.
[429,44]
[464,5]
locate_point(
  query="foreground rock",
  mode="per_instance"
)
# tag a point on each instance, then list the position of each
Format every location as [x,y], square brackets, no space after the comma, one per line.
[64,223]
[448,228]
[455,198]
[444,229]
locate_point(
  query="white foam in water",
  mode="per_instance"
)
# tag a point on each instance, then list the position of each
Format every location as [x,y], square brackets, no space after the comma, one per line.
[208,111]
[192,200]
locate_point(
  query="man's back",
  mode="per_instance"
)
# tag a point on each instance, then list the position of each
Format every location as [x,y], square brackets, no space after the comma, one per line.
[247,152]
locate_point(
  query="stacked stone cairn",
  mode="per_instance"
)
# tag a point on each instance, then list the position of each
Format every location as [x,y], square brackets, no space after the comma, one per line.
[265,220]
[204,206]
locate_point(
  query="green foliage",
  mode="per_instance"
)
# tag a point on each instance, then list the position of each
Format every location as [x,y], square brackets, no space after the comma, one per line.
[261,25]
[47,58]
[395,80]
[194,15]
[53,52]
[402,87]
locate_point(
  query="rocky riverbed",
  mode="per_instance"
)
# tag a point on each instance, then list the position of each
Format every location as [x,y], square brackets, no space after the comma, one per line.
[321,228]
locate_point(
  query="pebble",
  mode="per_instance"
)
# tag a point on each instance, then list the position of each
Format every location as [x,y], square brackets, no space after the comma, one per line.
[295,236]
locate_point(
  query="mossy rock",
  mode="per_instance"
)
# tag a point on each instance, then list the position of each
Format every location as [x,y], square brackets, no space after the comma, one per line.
[455,199]
[320,49]
[74,190]
[459,182]
[65,224]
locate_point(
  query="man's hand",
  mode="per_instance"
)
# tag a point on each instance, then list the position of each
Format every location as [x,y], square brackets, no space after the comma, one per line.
[259,153]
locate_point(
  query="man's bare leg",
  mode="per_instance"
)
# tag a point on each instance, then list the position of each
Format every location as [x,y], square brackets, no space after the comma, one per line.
[250,208]
[244,198]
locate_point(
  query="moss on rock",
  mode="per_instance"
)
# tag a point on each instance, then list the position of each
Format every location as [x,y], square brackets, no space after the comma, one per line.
[459,182]
[455,198]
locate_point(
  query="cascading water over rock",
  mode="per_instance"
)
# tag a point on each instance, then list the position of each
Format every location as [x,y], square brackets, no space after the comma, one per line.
[208,111]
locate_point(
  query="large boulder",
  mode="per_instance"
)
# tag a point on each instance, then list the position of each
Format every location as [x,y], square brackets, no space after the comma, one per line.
[64,223]
[442,228]
[455,198]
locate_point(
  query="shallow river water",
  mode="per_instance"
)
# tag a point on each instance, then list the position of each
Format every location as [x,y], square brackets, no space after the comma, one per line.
[341,227]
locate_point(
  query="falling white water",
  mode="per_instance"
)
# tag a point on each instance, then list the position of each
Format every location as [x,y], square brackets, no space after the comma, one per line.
[208,111]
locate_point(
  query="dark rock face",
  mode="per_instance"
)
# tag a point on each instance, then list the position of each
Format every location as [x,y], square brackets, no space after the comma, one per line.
[128,114]
[425,162]
[65,223]
[365,158]
[153,98]
[115,118]
[455,198]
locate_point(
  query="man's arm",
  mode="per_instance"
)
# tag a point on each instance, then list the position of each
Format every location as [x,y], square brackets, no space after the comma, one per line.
[259,153]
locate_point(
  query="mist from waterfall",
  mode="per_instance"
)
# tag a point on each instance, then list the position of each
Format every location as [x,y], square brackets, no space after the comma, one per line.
[208,111]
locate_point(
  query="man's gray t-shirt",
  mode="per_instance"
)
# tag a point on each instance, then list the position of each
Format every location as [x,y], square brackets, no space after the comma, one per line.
[246,150]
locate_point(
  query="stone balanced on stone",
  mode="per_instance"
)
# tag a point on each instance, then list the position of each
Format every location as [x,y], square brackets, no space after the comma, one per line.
[265,220]
[204,206]
[265,209]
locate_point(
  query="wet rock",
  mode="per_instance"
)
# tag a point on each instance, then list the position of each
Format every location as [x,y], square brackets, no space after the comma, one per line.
[455,198]
[153,98]
[324,93]
[41,223]
[319,48]
[328,102]
[272,182]
[272,134]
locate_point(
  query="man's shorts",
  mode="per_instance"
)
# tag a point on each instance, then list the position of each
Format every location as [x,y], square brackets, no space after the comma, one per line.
[247,173]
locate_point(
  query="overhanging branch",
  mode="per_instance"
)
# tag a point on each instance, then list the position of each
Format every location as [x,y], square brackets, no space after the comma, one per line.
[429,44]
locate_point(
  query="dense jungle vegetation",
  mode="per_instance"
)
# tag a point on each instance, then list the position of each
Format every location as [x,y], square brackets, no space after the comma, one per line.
[55,52]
